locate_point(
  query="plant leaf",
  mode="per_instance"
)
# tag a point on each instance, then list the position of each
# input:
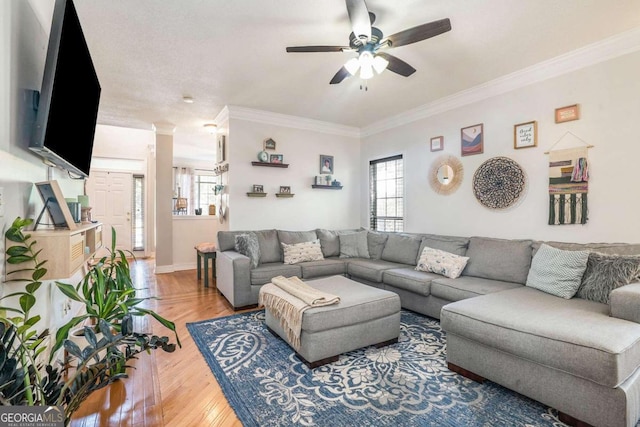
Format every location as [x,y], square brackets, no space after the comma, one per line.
[27,301]
[39,273]
[19,259]
[69,291]
[32,287]
[17,250]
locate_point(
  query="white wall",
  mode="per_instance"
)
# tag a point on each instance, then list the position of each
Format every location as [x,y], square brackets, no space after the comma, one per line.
[608,98]
[188,231]
[309,208]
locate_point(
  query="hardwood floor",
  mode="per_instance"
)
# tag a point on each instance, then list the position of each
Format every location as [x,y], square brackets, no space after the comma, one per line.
[173,389]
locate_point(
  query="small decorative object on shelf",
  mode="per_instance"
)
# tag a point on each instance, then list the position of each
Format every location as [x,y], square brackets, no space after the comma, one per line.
[269,144]
[263,156]
[271,165]
[285,191]
[221,169]
[276,158]
[327,179]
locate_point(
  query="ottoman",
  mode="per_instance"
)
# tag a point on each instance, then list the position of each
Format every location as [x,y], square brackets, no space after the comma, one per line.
[365,316]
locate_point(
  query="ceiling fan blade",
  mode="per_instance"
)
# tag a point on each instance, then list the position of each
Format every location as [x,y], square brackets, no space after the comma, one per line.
[359,17]
[318,49]
[397,65]
[419,33]
[340,76]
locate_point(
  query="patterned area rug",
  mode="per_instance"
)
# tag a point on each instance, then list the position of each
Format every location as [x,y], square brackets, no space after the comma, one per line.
[405,384]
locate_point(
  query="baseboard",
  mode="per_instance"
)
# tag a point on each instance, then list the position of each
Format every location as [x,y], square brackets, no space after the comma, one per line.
[161,269]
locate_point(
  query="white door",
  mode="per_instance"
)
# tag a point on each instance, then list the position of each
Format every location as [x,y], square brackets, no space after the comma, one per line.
[110,195]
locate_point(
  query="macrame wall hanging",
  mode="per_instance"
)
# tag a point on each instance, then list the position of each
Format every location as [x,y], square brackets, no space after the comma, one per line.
[568,183]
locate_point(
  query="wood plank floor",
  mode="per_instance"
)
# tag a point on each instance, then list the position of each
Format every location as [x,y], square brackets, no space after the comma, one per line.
[173,389]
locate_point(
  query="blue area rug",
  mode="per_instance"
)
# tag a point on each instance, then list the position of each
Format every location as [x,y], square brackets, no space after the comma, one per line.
[405,384]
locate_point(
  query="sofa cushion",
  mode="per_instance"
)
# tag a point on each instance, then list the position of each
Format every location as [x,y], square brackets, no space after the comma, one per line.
[467,287]
[354,245]
[605,273]
[330,241]
[265,272]
[557,272]
[370,269]
[575,336]
[376,242]
[326,267]
[498,259]
[227,240]
[269,246]
[247,245]
[301,252]
[451,244]
[441,262]
[409,279]
[292,237]
[401,248]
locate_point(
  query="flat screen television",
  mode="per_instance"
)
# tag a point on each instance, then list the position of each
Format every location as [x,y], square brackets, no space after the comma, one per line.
[69,98]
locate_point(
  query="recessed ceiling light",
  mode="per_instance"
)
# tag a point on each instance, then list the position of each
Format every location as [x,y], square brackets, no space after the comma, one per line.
[187,99]
[211,127]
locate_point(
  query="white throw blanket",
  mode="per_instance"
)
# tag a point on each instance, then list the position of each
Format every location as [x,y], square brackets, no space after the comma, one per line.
[287,299]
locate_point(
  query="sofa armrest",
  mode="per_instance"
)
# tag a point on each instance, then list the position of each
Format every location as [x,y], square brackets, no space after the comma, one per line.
[233,277]
[625,302]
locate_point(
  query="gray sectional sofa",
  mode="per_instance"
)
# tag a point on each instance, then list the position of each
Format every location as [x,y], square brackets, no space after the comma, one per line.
[580,357]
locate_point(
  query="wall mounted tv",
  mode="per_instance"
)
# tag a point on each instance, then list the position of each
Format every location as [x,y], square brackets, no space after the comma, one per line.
[67,112]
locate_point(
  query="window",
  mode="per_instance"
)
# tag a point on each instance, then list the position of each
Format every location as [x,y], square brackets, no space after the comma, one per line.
[386,191]
[138,213]
[205,194]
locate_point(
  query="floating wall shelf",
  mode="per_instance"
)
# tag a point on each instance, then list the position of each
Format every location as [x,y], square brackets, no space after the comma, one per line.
[327,187]
[271,165]
[284,195]
[252,194]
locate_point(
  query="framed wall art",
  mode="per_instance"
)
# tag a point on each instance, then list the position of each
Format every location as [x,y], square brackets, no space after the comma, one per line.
[276,158]
[568,113]
[472,140]
[221,154]
[326,164]
[269,144]
[437,143]
[525,135]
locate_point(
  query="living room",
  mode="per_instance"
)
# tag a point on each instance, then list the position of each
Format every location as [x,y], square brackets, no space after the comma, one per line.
[586,56]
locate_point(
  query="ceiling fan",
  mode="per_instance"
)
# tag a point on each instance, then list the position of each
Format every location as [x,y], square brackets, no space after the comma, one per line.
[368,41]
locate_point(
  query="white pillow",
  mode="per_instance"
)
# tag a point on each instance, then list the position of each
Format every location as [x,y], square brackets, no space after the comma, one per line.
[441,262]
[301,252]
[557,272]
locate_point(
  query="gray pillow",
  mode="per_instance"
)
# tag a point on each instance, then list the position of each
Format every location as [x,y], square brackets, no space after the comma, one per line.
[354,245]
[557,272]
[605,273]
[402,249]
[376,242]
[269,246]
[330,241]
[498,259]
[247,245]
[451,244]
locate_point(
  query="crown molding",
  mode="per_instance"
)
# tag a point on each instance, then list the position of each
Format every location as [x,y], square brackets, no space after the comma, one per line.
[295,122]
[222,117]
[609,48]
[163,128]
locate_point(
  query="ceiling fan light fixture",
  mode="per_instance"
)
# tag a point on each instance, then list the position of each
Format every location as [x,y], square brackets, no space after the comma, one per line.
[211,128]
[380,64]
[352,66]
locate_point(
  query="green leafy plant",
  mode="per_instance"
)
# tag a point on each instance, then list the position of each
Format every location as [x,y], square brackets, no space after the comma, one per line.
[26,381]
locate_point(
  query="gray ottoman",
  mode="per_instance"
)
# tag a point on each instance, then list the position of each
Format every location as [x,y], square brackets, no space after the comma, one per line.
[365,316]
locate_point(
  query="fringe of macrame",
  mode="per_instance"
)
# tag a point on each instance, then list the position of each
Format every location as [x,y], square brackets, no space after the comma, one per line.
[290,317]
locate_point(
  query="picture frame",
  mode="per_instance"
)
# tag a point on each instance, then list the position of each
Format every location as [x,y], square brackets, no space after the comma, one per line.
[221,154]
[525,135]
[257,188]
[568,113]
[285,189]
[55,205]
[437,143]
[269,144]
[276,158]
[326,165]
[472,140]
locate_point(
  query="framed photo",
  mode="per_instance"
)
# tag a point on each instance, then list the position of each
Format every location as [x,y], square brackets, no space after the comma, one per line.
[568,113]
[258,188]
[471,140]
[269,144]
[285,190]
[276,158]
[437,143]
[525,135]
[326,164]
[220,149]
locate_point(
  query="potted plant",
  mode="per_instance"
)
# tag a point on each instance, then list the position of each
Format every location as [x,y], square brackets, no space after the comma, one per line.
[24,380]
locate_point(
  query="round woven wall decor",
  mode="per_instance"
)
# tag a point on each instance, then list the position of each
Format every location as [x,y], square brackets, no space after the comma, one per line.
[499,183]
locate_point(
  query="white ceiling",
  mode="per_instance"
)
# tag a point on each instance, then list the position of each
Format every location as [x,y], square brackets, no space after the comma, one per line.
[149,53]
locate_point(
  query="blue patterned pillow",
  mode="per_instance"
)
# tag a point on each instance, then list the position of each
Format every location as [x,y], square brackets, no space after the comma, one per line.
[557,272]
[247,244]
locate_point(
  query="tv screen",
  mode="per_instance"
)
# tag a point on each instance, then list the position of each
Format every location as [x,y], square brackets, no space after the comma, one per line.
[66,119]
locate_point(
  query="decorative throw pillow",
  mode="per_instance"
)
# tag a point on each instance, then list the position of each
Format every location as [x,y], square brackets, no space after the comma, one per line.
[557,272]
[247,244]
[605,273]
[301,252]
[354,245]
[441,262]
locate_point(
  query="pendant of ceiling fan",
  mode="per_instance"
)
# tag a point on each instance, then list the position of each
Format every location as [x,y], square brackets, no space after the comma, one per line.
[367,41]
